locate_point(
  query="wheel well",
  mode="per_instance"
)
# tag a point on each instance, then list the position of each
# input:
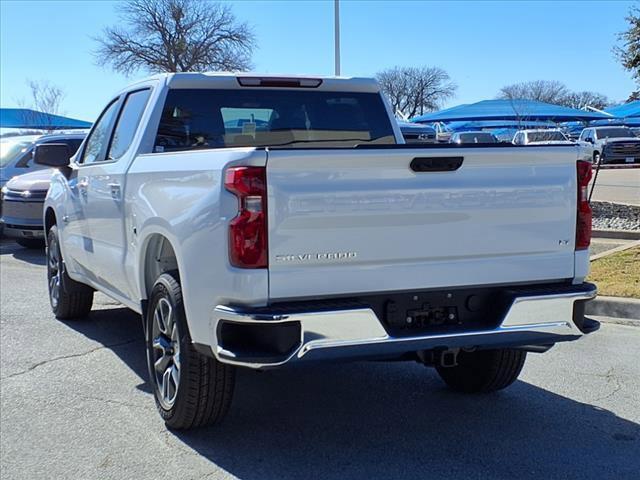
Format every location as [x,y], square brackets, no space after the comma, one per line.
[159,258]
[49,220]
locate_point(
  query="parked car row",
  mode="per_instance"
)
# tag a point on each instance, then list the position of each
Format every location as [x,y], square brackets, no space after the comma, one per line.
[604,145]
[25,185]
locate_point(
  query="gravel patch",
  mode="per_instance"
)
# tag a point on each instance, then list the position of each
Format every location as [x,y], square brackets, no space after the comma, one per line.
[615,216]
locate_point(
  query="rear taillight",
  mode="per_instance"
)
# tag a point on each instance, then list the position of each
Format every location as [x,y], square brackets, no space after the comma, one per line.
[248,230]
[583,216]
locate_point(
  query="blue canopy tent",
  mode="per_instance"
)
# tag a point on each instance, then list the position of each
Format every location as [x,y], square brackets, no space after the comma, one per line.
[627,114]
[517,110]
[628,122]
[626,110]
[32,119]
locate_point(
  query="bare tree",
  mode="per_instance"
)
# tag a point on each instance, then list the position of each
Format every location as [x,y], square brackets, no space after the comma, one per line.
[629,52]
[551,91]
[45,98]
[414,90]
[584,99]
[175,36]
[548,91]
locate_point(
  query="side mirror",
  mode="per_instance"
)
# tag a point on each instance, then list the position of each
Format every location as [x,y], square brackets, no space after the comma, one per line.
[52,155]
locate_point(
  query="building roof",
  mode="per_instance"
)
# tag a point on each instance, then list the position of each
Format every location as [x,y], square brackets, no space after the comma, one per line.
[27,118]
[517,109]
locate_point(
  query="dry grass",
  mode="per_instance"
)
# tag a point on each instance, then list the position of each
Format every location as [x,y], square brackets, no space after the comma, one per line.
[618,275]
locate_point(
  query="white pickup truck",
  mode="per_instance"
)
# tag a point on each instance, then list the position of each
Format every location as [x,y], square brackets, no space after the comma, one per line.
[264,221]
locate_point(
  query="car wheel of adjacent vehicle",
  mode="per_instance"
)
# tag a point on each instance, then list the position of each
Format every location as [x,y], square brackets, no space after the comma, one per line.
[190,389]
[34,243]
[69,299]
[483,370]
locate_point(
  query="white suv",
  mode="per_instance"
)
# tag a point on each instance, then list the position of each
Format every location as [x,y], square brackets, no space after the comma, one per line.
[547,136]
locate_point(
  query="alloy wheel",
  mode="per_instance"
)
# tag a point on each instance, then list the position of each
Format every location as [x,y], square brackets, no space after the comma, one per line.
[53,273]
[166,353]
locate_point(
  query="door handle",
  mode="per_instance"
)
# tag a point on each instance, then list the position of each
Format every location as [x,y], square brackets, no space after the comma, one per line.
[83,184]
[115,190]
[436,164]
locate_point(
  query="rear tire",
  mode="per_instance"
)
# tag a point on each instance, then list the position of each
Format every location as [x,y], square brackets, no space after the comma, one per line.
[483,370]
[190,389]
[34,243]
[69,299]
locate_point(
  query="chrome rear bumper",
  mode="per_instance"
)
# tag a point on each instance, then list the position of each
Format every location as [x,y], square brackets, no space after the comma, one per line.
[358,333]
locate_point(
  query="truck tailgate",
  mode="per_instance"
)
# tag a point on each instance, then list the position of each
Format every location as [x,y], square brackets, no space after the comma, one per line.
[361,220]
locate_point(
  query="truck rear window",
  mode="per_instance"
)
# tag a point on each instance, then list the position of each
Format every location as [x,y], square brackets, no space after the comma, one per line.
[200,118]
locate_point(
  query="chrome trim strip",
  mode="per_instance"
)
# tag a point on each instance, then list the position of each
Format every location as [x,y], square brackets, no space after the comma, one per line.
[327,331]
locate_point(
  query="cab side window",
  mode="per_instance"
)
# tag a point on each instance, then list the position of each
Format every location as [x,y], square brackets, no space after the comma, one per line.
[127,123]
[96,146]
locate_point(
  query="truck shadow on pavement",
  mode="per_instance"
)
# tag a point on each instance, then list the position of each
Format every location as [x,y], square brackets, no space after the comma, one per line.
[34,256]
[120,330]
[388,420]
[375,420]
[379,420]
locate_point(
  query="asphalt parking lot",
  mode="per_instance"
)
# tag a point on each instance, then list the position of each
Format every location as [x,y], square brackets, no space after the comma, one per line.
[618,185]
[75,404]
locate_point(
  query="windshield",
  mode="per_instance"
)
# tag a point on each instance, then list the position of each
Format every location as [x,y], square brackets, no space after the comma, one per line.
[476,137]
[10,151]
[617,132]
[197,118]
[551,136]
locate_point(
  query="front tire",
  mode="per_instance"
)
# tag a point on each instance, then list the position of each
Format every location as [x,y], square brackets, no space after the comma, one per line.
[483,370]
[190,390]
[69,299]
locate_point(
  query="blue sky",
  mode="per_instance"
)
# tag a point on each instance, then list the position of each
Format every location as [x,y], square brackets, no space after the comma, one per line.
[482,45]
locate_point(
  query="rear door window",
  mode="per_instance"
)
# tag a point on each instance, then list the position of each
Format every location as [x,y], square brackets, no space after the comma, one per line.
[127,123]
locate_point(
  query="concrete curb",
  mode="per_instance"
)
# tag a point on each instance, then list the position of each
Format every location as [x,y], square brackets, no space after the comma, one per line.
[627,322]
[621,248]
[619,234]
[618,307]
[619,165]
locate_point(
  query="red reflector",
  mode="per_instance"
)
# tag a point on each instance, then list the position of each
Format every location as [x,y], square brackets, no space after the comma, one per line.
[583,214]
[248,230]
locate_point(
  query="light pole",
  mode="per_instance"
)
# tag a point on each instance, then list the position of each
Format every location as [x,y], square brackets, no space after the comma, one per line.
[336,15]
